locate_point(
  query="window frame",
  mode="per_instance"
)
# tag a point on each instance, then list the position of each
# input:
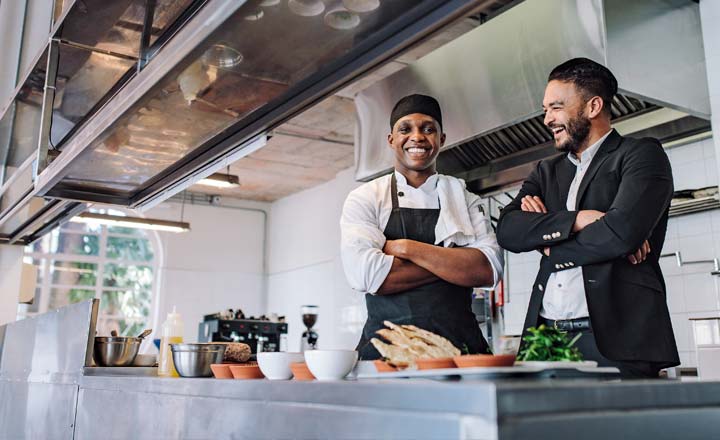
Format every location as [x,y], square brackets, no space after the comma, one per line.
[101,260]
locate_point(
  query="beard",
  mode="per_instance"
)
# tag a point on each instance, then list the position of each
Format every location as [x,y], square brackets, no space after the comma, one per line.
[577,129]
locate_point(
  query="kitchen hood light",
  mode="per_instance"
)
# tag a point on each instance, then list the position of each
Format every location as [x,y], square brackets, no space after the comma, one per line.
[219,180]
[131,222]
[222,55]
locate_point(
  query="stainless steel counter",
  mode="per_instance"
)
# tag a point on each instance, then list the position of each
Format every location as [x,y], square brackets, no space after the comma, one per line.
[46,391]
[209,408]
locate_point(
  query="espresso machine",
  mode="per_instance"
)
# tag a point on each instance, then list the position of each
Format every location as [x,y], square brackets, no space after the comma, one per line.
[309,337]
[260,334]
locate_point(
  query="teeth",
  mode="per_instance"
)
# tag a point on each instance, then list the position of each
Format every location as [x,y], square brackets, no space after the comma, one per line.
[557,130]
[416,150]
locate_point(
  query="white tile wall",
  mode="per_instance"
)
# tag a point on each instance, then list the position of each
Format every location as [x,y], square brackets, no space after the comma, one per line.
[216,266]
[10,276]
[700,292]
[691,290]
[675,293]
[305,266]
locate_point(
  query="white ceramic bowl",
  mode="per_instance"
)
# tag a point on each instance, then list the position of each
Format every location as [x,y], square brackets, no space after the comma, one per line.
[330,364]
[276,365]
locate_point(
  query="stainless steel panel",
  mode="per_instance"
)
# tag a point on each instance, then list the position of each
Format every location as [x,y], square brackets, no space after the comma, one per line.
[37,410]
[117,26]
[655,49]
[233,71]
[492,100]
[36,32]
[155,146]
[120,371]
[470,398]
[83,80]
[50,348]
[491,77]
[685,424]
[21,121]
[390,408]
[16,216]
[101,412]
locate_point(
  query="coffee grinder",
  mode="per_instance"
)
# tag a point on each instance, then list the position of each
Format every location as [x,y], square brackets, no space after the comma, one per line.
[309,336]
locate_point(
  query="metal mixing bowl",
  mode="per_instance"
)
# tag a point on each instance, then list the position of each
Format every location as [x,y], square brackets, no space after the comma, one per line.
[115,351]
[194,360]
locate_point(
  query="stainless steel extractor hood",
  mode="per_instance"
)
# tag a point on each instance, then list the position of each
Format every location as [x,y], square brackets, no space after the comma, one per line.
[231,73]
[490,83]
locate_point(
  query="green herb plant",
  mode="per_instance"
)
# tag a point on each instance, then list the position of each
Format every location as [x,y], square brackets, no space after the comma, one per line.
[548,344]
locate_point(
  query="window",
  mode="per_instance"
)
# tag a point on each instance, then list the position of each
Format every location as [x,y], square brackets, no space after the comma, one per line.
[79,261]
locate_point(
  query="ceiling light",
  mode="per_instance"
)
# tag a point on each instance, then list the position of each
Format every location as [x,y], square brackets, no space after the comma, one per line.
[131,222]
[223,56]
[220,180]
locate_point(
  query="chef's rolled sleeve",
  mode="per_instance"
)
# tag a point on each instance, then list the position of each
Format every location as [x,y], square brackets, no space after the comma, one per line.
[362,241]
[485,239]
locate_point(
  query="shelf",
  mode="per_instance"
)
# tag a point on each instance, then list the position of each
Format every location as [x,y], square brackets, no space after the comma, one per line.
[695,205]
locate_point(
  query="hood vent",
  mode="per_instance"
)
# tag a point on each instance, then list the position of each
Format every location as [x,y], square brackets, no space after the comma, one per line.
[527,134]
[492,100]
[230,73]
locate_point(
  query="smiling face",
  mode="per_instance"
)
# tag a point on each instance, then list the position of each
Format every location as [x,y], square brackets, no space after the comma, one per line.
[566,115]
[416,140]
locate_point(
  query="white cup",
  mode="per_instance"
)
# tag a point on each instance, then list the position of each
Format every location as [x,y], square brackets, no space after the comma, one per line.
[276,365]
[330,364]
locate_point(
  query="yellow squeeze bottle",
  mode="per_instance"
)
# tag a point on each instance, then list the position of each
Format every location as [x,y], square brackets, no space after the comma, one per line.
[172,330]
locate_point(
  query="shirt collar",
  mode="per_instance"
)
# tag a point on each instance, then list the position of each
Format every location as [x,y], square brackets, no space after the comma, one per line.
[587,155]
[429,186]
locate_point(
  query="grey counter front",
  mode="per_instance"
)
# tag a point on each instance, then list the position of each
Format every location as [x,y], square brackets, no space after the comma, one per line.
[145,407]
[47,391]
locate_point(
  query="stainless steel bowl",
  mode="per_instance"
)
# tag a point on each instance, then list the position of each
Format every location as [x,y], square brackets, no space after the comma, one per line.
[115,351]
[194,360]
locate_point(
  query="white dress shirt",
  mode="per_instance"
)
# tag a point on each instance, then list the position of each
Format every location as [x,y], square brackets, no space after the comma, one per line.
[565,290]
[367,210]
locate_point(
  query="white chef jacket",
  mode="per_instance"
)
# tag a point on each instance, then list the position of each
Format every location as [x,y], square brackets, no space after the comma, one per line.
[565,290]
[366,213]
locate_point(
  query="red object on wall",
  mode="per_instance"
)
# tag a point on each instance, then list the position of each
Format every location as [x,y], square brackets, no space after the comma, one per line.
[500,294]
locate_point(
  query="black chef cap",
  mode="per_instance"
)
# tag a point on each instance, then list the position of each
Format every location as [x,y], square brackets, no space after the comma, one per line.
[427,105]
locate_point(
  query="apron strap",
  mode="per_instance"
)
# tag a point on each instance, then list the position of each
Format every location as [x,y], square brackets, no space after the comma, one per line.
[396,204]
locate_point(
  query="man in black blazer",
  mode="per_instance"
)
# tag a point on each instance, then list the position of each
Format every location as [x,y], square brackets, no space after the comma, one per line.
[598,214]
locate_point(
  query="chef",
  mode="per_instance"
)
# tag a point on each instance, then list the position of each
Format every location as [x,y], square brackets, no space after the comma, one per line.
[416,242]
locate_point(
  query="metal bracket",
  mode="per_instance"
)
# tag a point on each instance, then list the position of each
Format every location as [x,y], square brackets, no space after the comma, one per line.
[680,262]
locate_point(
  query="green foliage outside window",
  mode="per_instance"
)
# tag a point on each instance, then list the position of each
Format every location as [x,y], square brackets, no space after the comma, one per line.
[126,287]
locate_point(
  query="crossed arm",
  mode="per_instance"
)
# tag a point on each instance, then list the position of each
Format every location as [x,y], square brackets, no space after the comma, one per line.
[374,264]
[588,237]
[417,263]
[584,218]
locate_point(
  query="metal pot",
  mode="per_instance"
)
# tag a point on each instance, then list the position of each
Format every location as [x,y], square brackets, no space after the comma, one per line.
[194,360]
[115,351]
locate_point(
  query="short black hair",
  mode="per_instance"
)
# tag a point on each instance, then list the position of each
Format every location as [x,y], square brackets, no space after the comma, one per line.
[591,78]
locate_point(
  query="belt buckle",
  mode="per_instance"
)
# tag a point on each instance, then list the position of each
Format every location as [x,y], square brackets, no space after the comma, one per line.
[555,321]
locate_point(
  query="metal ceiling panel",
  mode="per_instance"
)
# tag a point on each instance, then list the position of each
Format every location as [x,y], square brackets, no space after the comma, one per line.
[234,71]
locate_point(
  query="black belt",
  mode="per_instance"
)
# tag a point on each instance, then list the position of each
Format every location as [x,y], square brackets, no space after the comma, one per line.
[569,325]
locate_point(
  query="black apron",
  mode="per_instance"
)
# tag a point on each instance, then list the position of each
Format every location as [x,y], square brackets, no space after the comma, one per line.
[440,307]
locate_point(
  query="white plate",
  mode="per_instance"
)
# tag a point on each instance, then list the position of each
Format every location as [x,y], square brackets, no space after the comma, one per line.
[558,364]
[489,372]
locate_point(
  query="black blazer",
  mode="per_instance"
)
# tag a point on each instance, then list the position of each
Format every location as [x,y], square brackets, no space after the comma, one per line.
[631,181]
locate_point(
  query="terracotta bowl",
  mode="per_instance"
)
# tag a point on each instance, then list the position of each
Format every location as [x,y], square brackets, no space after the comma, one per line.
[484,360]
[301,371]
[383,367]
[221,371]
[246,371]
[431,364]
